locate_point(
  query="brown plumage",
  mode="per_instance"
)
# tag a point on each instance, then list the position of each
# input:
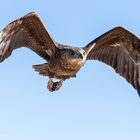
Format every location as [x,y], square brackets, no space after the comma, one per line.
[121,50]
[118,48]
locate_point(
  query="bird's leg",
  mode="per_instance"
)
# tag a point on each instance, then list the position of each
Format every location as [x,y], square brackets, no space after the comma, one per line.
[50,84]
[53,86]
[57,85]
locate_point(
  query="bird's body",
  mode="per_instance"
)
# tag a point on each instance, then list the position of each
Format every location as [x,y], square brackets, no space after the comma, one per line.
[64,64]
[60,66]
[118,48]
[63,67]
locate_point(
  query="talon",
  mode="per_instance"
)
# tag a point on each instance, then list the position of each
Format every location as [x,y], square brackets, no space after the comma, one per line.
[57,85]
[50,85]
[54,86]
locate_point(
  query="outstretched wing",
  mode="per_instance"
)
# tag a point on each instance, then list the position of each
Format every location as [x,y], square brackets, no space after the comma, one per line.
[121,50]
[28,31]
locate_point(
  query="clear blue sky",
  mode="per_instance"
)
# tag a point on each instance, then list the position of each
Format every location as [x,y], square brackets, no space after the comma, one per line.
[97,105]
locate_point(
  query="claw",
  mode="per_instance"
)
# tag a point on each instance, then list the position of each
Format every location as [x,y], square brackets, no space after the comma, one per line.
[50,85]
[57,85]
[54,86]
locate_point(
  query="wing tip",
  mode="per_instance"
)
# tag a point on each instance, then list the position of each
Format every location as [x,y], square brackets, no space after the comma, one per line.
[31,14]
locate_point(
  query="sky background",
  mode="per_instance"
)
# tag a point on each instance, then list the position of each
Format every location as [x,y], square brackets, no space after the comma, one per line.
[97,105]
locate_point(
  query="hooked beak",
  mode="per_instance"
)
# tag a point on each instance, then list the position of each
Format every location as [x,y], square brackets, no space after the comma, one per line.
[89,48]
[79,54]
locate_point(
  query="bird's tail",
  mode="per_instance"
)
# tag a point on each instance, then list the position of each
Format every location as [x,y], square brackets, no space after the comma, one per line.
[42,69]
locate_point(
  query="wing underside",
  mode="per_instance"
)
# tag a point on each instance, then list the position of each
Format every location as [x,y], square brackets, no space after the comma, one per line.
[29,32]
[121,50]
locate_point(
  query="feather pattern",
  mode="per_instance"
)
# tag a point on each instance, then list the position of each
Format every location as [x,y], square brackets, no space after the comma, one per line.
[120,49]
[28,31]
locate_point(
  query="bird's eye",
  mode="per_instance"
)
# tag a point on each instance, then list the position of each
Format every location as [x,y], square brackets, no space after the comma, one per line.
[72,53]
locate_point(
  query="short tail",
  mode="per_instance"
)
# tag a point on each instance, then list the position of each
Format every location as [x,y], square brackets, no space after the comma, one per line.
[42,69]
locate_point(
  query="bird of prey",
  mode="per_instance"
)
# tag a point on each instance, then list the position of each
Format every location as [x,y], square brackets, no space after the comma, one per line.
[118,48]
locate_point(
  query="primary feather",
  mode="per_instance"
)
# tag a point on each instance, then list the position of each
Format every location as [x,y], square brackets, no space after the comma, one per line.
[28,31]
[120,49]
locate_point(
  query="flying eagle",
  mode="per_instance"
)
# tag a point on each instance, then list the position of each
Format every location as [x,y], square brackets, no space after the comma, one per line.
[118,48]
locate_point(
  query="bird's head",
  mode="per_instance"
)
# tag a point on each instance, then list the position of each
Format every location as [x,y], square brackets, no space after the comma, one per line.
[74,55]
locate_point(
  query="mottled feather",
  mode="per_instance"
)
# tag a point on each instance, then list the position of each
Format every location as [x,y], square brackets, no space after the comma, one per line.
[28,31]
[120,49]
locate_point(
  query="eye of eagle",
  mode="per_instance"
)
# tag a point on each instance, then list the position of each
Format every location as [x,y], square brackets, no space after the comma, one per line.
[72,53]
